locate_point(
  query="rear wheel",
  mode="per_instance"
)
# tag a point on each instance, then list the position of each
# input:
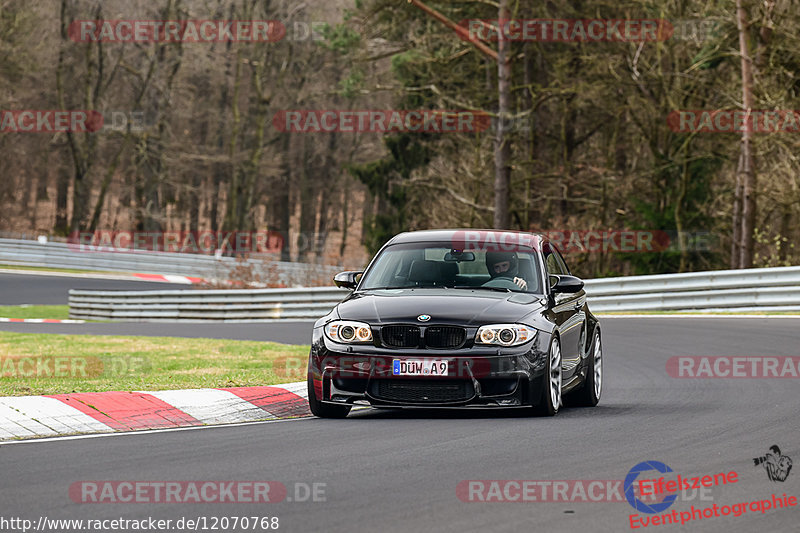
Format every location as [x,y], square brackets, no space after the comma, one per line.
[324,410]
[551,383]
[589,394]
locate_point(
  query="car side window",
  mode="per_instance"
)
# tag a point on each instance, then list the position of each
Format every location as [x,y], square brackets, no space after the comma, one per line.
[555,266]
[561,261]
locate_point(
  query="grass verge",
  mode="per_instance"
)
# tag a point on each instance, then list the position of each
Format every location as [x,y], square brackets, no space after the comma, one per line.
[54,269]
[60,312]
[33,364]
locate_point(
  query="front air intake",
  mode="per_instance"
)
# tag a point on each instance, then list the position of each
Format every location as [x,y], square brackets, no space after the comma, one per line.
[400,336]
[445,337]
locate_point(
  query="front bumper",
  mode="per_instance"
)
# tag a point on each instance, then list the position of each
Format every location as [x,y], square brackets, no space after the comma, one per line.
[477,376]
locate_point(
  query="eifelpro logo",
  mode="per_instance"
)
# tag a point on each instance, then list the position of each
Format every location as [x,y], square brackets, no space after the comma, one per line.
[630,481]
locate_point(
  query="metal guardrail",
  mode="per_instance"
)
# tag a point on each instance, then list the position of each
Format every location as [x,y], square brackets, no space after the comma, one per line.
[730,290]
[63,255]
[743,290]
[237,305]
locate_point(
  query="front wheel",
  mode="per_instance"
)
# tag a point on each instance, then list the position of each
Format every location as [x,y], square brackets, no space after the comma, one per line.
[324,410]
[551,383]
[589,393]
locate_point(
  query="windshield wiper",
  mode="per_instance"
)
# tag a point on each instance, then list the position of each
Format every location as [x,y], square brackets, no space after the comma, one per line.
[496,289]
[407,287]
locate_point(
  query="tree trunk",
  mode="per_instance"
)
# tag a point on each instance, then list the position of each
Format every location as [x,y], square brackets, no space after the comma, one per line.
[62,194]
[746,163]
[233,205]
[345,218]
[281,211]
[218,173]
[330,178]
[194,201]
[308,197]
[736,243]
[678,213]
[783,234]
[252,169]
[502,146]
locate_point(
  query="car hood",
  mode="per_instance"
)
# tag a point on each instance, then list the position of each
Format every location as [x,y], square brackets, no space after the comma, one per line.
[445,306]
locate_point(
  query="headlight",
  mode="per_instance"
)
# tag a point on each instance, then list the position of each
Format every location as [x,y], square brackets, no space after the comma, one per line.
[504,334]
[348,331]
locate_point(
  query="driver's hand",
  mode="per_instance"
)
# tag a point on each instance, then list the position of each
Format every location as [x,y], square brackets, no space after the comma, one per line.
[521,283]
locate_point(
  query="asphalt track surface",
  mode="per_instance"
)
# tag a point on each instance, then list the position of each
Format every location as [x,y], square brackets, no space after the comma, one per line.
[388,471]
[20,289]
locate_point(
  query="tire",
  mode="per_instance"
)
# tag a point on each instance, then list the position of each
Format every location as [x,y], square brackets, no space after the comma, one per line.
[550,401]
[589,394]
[324,410]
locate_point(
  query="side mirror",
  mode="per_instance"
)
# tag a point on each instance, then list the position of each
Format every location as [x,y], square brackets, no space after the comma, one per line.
[566,284]
[347,280]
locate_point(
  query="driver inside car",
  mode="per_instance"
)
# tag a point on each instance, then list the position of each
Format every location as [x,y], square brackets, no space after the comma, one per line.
[505,265]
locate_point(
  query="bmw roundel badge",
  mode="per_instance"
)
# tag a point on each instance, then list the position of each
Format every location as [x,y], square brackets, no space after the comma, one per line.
[424,318]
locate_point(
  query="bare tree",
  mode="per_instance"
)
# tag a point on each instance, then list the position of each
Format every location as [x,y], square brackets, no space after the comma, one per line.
[745,197]
[502,144]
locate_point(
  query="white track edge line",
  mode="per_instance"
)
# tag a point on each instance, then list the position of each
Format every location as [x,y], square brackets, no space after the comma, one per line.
[149,431]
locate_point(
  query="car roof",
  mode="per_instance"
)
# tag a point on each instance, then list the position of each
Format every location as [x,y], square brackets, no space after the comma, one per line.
[437,235]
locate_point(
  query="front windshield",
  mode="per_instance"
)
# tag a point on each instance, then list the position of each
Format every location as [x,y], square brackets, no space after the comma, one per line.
[432,265]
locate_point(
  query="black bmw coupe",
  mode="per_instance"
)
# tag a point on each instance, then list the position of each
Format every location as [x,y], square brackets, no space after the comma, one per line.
[458,318]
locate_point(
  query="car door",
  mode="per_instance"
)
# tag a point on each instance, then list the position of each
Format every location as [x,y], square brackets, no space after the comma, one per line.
[569,313]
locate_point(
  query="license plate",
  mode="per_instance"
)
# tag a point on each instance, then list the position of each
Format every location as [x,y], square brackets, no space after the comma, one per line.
[419,367]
